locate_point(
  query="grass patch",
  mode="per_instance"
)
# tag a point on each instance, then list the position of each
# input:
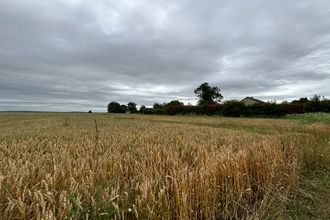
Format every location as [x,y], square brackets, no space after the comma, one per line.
[311,117]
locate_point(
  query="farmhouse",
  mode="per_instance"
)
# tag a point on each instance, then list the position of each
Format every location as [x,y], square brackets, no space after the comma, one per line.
[251,101]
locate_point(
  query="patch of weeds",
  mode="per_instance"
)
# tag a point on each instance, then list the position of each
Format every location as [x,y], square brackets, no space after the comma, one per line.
[119,207]
[75,209]
[312,200]
[311,117]
[100,211]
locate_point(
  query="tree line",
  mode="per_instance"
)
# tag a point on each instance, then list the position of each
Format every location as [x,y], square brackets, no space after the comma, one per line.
[209,99]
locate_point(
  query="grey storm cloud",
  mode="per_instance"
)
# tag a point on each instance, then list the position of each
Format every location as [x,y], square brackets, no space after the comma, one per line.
[75,55]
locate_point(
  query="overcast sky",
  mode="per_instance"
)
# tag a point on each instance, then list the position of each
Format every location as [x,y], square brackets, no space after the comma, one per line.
[76,55]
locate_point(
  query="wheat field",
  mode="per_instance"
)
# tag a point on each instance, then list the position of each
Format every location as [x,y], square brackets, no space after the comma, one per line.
[104,166]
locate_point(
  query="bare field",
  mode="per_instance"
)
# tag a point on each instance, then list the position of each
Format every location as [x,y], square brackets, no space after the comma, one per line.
[104,166]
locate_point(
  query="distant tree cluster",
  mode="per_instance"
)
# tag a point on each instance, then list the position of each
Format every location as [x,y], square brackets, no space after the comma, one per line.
[209,99]
[115,107]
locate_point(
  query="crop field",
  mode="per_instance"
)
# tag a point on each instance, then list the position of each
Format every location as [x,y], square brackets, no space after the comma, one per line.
[112,166]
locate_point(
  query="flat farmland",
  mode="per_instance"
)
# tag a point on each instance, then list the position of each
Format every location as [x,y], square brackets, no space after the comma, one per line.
[118,166]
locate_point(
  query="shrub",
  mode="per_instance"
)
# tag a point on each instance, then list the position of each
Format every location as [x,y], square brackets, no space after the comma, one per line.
[233,108]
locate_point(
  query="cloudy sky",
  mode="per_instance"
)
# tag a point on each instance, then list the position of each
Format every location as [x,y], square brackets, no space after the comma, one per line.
[76,55]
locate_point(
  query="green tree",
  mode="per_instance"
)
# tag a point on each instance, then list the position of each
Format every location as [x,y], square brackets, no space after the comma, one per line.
[315,103]
[131,106]
[158,106]
[142,109]
[174,103]
[208,94]
[123,108]
[114,107]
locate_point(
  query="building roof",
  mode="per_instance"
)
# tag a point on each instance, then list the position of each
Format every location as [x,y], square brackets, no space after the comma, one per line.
[256,100]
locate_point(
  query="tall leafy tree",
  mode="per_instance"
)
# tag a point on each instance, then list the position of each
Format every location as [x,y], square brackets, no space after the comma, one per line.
[114,107]
[158,106]
[142,109]
[208,94]
[123,108]
[174,102]
[131,106]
